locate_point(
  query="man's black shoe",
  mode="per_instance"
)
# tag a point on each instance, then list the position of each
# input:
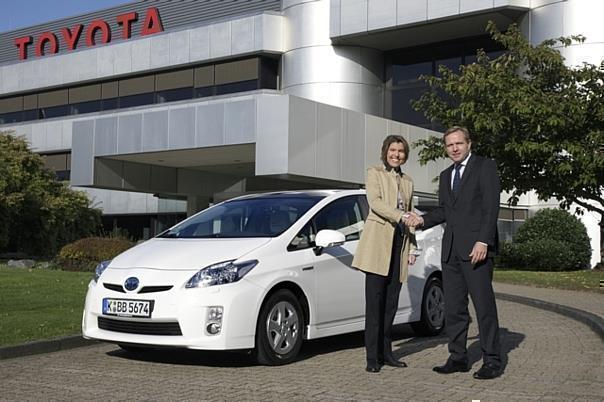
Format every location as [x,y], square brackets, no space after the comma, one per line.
[488,371]
[394,363]
[451,366]
[373,368]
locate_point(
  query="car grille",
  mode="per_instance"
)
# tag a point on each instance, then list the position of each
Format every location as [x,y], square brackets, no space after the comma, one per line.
[139,327]
[114,287]
[153,289]
[147,289]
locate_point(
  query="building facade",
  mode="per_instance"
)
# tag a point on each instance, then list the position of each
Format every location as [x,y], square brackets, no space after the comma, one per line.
[158,108]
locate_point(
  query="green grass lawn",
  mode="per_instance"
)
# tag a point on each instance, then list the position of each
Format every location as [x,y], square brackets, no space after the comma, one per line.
[40,304]
[572,280]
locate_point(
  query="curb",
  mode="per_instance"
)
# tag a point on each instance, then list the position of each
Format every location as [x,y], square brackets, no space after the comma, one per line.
[596,323]
[45,346]
[593,321]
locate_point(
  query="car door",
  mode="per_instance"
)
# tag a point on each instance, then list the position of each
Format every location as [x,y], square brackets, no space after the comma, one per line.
[340,288]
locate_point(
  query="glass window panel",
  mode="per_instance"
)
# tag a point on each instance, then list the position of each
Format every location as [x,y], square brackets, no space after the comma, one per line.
[451,63]
[9,105]
[53,98]
[85,93]
[86,107]
[410,72]
[63,175]
[30,102]
[242,70]
[236,87]
[204,91]
[401,109]
[204,76]
[109,90]
[174,79]
[344,215]
[269,73]
[55,111]
[11,117]
[174,94]
[55,162]
[135,86]
[30,114]
[137,100]
[109,104]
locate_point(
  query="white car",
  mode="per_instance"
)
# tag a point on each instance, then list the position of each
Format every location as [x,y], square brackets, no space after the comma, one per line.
[260,272]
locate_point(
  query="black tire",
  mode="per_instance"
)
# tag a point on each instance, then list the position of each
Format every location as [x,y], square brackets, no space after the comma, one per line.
[279,329]
[433,309]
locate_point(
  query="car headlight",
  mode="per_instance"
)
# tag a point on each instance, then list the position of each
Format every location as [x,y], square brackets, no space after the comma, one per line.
[221,273]
[100,269]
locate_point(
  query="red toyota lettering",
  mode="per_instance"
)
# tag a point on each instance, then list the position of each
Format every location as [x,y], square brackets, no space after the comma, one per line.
[43,39]
[72,36]
[152,22]
[21,44]
[93,27]
[126,20]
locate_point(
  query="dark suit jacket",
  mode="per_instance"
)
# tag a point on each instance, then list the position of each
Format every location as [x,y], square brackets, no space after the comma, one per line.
[472,215]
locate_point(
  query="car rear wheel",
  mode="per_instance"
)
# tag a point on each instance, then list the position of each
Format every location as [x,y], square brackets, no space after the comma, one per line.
[279,329]
[433,309]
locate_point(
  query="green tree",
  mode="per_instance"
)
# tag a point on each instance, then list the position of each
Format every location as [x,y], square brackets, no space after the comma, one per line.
[541,120]
[38,214]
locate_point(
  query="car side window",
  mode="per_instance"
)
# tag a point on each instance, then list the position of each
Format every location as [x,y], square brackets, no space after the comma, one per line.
[346,215]
[305,238]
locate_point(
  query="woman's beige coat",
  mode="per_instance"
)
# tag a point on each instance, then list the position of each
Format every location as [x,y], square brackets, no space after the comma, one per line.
[375,247]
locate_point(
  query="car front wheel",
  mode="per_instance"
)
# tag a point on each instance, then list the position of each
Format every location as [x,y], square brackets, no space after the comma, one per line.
[433,309]
[279,329]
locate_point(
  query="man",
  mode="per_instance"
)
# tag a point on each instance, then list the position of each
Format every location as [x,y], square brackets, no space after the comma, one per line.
[469,204]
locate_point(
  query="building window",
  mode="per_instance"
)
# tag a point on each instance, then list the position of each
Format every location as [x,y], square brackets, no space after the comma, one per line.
[405,66]
[209,80]
[137,100]
[59,163]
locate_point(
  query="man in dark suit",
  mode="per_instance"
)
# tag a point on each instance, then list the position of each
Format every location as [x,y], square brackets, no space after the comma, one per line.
[468,196]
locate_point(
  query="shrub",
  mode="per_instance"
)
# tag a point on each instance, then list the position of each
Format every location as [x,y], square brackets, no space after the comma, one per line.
[552,240]
[38,214]
[85,254]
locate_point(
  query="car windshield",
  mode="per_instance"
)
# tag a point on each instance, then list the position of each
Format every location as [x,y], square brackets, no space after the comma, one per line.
[265,216]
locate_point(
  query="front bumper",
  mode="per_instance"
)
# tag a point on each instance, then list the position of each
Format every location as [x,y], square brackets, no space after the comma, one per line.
[178,308]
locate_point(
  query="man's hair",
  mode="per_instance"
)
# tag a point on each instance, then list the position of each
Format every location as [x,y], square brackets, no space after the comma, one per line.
[461,129]
[390,140]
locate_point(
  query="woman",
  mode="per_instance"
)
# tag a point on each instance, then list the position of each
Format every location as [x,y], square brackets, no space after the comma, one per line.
[385,250]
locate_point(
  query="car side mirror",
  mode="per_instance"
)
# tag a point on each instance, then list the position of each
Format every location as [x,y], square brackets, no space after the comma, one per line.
[327,238]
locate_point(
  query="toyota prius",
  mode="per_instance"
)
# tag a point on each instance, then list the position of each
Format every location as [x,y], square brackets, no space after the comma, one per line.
[260,272]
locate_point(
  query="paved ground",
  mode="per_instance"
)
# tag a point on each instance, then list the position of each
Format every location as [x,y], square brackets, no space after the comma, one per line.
[592,302]
[549,357]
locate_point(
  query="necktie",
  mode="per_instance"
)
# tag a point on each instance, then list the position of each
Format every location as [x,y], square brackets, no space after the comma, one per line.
[456,179]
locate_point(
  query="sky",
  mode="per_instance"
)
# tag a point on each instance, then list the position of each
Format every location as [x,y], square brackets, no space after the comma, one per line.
[23,13]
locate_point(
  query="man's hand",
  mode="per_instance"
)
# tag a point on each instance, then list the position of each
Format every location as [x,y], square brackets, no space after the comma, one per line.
[413,220]
[412,259]
[479,252]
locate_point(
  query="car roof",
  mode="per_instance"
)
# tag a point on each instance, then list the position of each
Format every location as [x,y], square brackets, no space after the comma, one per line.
[298,194]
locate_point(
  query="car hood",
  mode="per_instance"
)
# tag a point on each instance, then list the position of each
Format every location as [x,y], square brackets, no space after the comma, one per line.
[184,254]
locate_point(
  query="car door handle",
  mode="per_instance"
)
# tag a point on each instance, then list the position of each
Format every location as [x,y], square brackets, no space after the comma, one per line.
[308,268]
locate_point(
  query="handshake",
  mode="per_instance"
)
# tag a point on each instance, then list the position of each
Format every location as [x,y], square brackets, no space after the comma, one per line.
[412,219]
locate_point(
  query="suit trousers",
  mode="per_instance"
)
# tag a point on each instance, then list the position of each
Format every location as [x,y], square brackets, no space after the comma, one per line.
[381,303]
[460,278]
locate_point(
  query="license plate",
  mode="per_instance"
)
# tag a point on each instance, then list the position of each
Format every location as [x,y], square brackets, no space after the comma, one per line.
[128,308]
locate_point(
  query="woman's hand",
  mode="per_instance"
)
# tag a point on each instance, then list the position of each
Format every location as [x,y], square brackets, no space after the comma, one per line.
[412,258]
